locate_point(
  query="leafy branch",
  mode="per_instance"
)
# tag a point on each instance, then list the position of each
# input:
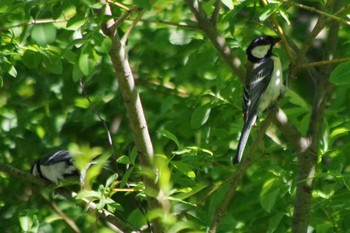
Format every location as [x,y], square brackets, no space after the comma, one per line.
[135,111]
[26,178]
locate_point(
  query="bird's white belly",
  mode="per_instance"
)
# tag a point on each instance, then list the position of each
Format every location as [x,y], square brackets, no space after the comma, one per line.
[274,88]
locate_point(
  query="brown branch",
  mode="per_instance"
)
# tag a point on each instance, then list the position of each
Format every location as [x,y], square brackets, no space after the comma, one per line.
[307,158]
[27,178]
[280,32]
[322,63]
[215,15]
[314,10]
[176,24]
[321,23]
[238,176]
[133,24]
[32,22]
[343,10]
[69,221]
[137,120]
[218,41]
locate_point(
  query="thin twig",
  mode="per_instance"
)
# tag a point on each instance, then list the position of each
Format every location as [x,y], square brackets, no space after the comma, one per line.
[133,24]
[32,22]
[69,221]
[280,32]
[118,22]
[118,5]
[238,176]
[322,63]
[343,10]
[314,10]
[218,41]
[28,178]
[109,135]
[176,24]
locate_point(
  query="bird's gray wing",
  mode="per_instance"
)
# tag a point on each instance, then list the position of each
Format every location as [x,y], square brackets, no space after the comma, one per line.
[256,84]
[57,157]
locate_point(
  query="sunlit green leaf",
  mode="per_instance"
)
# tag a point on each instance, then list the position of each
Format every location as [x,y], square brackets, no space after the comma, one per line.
[44,34]
[228,3]
[341,74]
[200,116]
[86,64]
[170,135]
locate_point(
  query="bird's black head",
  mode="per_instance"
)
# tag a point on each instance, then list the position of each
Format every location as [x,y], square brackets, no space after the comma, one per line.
[261,48]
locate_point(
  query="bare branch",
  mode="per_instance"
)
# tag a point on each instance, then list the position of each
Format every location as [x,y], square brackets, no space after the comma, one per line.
[109,135]
[218,41]
[69,221]
[176,24]
[307,158]
[138,122]
[133,24]
[215,15]
[314,10]
[322,63]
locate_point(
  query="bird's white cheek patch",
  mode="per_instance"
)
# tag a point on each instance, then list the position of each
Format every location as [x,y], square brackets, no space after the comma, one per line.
[260,51]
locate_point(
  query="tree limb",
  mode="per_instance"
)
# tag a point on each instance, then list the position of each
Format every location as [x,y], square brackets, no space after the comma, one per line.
[218,41]
[238,176]
[307,158]
[137,120]
[27,178]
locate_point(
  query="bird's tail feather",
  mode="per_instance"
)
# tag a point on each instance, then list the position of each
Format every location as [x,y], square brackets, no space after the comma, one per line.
[244,138]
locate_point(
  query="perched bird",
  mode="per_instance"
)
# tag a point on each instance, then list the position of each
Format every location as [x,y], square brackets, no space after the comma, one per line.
[264,84]
[55,167]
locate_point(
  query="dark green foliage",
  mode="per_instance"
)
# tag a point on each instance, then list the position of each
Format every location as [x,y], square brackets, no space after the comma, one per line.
[192,102]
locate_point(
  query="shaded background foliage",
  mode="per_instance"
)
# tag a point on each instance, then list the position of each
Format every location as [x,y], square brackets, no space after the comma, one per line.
[192,102]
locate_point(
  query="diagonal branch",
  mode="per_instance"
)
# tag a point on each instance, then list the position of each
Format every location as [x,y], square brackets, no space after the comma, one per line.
[238,176]
[218,41]
[136,116]
[111,220]
[307,158]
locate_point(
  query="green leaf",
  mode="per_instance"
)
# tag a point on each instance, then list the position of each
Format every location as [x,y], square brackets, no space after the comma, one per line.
[53,65]
[86,64]
[123,159]
[44,34]
[111,179]
[88,194]
[31,59]
[270,9]
[145,4]
[104,45]
[341,74]
[169,135]
[180,37]
[77,75]
[13,72]
[284,15]
[269,194]
[200,116]
[339,131]
[228,3]
[274,222]
[29,222]
[324,227]
[296,99]
[82,103]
